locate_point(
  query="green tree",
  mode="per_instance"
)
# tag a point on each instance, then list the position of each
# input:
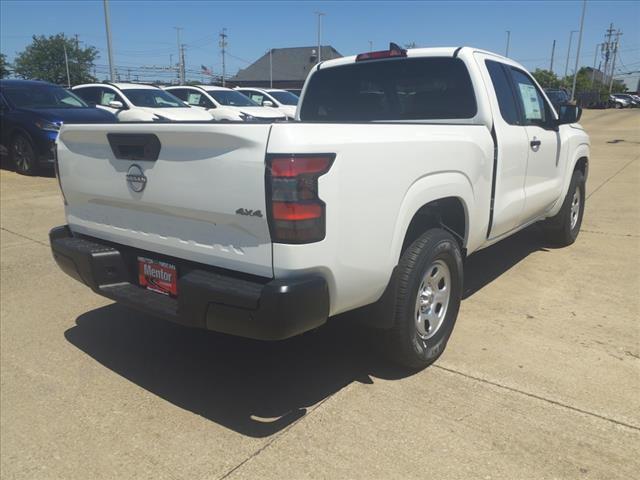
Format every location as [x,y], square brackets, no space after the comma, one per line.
[546,78]
[4,66]
[44,59]
[584,83]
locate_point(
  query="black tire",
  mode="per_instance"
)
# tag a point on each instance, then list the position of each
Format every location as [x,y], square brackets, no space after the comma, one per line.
[563,228]
[404,344]
[23,155]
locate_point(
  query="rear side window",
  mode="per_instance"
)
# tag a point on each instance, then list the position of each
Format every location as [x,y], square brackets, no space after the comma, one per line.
[403,89]
[88,94]
[504,92]
[181,93]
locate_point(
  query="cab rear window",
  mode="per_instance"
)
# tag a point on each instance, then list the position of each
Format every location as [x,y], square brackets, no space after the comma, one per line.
[389,90]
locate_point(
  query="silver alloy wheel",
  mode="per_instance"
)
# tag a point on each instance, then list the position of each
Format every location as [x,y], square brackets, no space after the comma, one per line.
[432,299]
[575,208]
[22,154]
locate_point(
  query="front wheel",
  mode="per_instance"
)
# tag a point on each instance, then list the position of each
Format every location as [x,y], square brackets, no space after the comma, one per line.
[428,298]
[563,228]
[23,155]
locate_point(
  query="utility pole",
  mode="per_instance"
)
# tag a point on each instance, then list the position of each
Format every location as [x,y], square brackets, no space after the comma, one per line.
[180,58]
[66,61]
[223,46]
[107,23]
[553,51]
[615,55]
[575,73]
[271,68]
[370,46]
[566,65]
[320,15]
[607,52]
[506,54]
[183,75]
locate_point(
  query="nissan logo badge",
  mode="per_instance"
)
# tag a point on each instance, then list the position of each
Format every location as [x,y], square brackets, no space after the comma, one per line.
[136,178]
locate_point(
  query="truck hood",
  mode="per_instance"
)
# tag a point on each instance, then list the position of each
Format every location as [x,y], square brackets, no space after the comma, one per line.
[258,112]
[73,115]
[179,114]
[289,110]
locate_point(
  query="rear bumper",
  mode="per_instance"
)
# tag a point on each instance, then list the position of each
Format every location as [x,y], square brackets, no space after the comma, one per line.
[236,304]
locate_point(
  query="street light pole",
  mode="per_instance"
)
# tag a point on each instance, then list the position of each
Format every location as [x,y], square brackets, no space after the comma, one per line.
[595,59]
[508,42]
[566,65]
[575,73]
[320,15]
[107,23]
[66,61]
[271,68]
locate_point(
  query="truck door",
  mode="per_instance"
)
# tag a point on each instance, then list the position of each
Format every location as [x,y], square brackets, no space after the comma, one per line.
[543,181]
[512,143]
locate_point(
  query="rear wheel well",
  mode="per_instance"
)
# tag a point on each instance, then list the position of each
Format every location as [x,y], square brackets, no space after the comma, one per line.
[447,213]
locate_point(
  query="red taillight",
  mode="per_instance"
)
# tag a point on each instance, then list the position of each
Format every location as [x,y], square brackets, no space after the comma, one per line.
[381,54]
[296,213]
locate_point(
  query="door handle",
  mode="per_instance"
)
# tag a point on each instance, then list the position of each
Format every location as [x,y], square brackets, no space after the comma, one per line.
[535,144]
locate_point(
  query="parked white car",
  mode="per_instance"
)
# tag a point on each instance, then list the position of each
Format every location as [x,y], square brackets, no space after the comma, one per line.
[283,100]
[134,102]
[225,104]
[368,203]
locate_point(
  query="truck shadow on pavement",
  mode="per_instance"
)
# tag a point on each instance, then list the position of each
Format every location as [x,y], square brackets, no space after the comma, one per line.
[255,388]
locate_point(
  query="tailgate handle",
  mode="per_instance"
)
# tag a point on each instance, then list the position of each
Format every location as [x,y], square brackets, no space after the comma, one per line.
[134,146]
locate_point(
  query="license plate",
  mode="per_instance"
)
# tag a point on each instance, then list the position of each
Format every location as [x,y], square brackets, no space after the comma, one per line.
[157,276]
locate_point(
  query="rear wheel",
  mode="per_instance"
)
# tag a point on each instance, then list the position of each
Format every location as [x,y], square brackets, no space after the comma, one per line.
[23,155]
[563,228]
[427,302]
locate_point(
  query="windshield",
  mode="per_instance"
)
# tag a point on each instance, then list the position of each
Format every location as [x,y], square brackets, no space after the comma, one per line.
[403,89]
[153,98]
[286,98]
[42,97]
[232,98]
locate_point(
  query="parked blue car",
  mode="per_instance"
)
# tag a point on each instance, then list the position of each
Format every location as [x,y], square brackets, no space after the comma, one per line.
[31,113]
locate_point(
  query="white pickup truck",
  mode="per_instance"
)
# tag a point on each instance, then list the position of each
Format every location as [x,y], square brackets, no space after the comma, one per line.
[398,166]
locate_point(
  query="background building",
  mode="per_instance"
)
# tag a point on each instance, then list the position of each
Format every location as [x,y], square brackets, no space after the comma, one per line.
[287,67]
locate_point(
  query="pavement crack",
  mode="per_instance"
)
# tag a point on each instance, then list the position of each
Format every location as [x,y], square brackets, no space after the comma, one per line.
[612,176]
[25,237]
[538,397]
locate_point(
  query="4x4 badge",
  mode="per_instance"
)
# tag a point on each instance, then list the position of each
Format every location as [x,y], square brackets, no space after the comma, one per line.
[249,213]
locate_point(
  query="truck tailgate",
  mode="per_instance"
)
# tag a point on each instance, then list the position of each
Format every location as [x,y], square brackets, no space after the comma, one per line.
[202,199]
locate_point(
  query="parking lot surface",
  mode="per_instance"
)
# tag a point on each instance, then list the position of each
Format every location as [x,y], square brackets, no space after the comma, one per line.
[541,378]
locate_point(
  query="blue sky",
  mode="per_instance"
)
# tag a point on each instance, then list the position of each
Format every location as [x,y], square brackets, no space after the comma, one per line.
[144,34]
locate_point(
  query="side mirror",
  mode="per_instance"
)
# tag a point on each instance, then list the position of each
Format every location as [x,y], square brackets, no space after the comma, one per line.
[187,104]
[569,114]
[116,104]
[267,103]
